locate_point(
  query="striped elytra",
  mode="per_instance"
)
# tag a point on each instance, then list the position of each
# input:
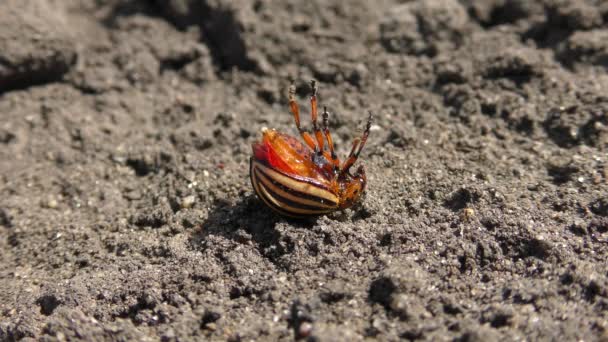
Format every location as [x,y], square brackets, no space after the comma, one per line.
[306,179]
[290,195]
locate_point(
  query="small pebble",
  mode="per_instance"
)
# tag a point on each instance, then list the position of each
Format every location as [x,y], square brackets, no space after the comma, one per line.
[50,203]
[467,214]
[305,330]
[188,201]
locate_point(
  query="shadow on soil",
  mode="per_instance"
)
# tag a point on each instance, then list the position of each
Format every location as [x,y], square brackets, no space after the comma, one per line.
[245,221]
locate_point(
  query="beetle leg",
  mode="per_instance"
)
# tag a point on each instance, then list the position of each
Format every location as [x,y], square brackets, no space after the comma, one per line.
[293,105]
[368,127]
[350,160]
[314,116]
[330,143]
[358,145]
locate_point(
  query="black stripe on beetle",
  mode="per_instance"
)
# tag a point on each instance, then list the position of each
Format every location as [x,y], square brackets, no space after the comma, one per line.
[293,205]
[276,205]
[284,199]
[299,184]
[294,195]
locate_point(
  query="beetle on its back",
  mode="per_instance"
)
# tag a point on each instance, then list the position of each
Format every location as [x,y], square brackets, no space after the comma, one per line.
[300,180]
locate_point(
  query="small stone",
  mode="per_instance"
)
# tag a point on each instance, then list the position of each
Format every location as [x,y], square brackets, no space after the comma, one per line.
[188,202]
[467,214]
[50,203]
[305,330]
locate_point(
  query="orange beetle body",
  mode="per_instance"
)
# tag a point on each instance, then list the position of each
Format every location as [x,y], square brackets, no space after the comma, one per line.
[300,180]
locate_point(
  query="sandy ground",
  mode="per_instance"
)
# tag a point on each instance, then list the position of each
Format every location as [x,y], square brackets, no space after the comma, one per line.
[126,211]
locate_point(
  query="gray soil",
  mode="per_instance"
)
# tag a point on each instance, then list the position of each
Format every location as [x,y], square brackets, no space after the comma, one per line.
[126,211]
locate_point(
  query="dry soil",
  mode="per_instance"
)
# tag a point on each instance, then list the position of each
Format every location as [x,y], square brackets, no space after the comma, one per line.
[126,211]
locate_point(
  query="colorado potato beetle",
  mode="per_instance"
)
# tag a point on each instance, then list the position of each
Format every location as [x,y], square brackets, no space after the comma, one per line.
[300,180]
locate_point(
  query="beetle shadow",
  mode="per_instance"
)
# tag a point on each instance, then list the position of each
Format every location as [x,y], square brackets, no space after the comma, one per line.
[245,221]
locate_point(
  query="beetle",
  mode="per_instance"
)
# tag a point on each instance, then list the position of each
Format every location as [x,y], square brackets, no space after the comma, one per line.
[306,179]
